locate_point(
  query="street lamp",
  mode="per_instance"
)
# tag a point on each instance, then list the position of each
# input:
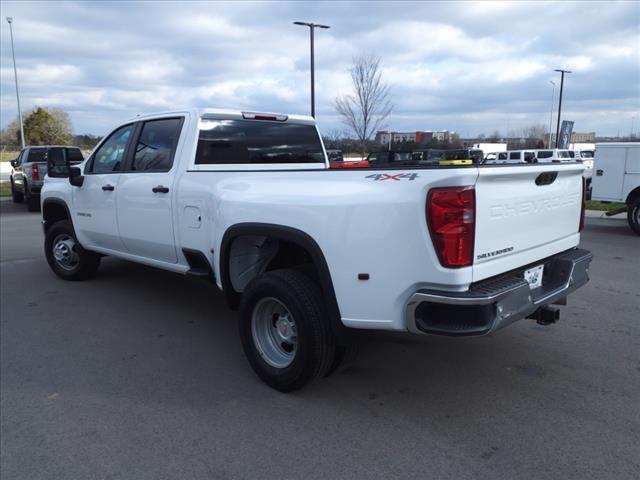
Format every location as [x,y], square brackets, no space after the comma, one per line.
[553,92]
[312,26]
[15,73]
[560,102]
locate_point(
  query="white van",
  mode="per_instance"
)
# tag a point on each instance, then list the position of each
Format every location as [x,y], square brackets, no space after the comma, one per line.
[554,155]
[495,158]
[586,156]
[522,156]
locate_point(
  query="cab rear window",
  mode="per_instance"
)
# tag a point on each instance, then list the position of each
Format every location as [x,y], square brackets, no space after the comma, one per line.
[36,155]
[223,142]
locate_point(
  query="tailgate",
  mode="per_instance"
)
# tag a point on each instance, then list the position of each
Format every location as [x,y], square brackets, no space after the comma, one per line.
[525,213]
[28,170]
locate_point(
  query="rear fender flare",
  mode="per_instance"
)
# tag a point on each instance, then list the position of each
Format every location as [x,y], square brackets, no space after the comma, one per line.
[289,234]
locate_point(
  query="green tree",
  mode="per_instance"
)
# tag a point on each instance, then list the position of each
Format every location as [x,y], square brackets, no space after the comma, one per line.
[10,135]
[47,127]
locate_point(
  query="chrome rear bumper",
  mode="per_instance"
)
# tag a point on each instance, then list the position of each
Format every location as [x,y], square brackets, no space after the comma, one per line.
[497,302]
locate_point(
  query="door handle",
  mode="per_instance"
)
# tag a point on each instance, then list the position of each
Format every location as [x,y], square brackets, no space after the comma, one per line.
[108,188]
[160,189]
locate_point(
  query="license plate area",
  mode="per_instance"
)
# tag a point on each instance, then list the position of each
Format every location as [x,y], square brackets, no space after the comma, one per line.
[533,276]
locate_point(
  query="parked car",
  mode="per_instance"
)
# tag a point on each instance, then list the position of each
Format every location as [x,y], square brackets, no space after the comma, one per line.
[497,158]
[245,200]
[29,170]
[586,157]
[617,178]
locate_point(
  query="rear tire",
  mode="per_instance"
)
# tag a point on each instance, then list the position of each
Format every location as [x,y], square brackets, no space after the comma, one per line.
[65,255]
[285,331]
[633,215]
[16,196]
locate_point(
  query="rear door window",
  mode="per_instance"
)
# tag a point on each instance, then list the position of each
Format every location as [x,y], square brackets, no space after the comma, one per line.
[156,145]
[257,142]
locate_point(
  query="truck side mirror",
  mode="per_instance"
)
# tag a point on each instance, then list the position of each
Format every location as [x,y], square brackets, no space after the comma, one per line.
[14,163]
[57,163]
[75,176]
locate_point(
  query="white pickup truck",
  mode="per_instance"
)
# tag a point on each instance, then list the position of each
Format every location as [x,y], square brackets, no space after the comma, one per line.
[308,253]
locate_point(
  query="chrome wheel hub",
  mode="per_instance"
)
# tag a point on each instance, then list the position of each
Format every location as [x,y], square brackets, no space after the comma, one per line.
[64,252]
[274,332]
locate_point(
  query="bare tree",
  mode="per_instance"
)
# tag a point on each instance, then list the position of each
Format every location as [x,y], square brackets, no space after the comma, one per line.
[332,138]
[364,110]
[535,132]
[531,136]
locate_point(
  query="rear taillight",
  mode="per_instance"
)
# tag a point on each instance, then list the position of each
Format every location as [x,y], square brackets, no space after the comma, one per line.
[35,172]
[451,214]
[584,204]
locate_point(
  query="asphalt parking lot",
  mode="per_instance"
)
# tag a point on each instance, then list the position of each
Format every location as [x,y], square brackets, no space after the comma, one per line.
[139,374]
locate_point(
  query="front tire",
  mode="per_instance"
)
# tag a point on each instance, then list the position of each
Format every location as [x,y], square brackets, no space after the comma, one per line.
[633,215]
[284,329]
[65,255]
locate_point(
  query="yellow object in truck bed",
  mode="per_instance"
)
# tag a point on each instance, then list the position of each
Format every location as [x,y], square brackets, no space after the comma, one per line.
[455,162]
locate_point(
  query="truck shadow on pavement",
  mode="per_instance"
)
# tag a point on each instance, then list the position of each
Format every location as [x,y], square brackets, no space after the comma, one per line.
[202,349]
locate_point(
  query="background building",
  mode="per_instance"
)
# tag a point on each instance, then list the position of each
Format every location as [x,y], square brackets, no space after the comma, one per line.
[578,137]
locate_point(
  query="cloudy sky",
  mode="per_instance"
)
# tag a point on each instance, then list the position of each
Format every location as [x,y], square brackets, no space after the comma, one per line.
[468,67]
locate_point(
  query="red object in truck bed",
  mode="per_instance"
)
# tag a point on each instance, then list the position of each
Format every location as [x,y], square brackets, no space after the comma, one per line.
[360,164]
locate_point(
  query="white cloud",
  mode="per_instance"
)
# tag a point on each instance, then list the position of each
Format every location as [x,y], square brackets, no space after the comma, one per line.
[462,66]
[46,74]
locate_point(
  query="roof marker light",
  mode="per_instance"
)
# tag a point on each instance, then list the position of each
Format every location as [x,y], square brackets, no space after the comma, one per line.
[274,117]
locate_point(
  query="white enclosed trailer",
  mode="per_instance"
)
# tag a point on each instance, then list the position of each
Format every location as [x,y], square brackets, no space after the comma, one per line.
[490,147]
[616,177]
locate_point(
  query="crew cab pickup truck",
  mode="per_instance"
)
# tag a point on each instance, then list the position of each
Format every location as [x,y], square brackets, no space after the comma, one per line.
[308,253]
[29,170]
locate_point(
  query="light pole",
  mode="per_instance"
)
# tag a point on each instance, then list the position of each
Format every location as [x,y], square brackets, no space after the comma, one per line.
[560,102]
[312,26]
[553,92]
[15,73]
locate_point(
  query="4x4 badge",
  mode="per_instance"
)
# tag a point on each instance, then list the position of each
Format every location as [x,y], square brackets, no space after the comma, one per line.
[377,177]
